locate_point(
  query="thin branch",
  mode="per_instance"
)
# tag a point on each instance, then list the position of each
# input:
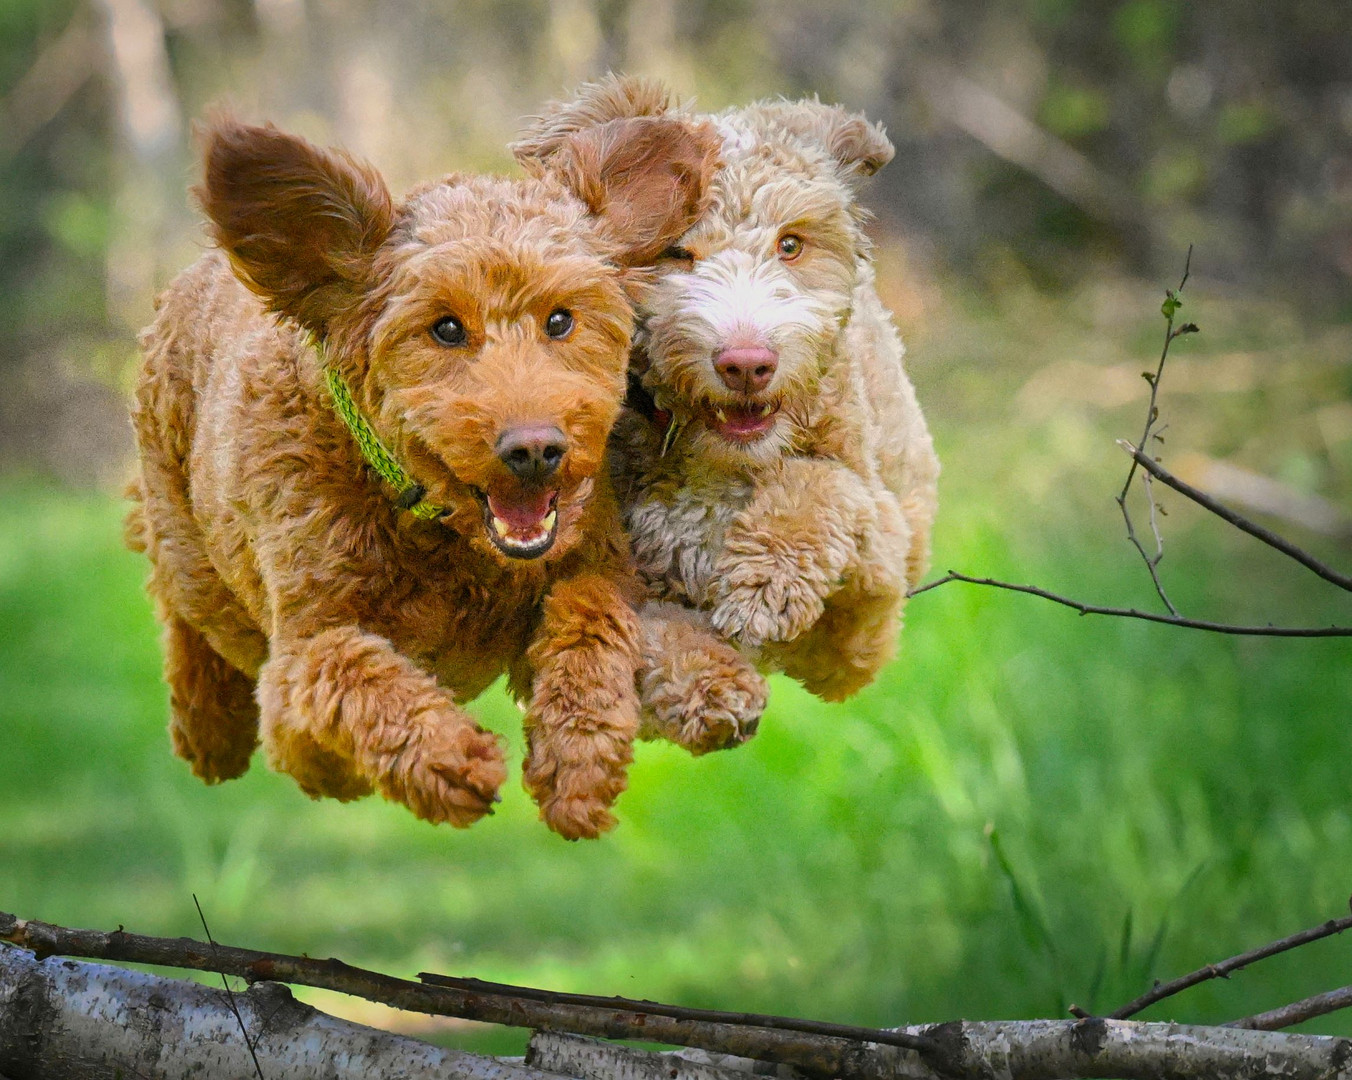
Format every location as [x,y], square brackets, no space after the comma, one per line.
[1133,613]
[1151,564]
[675,1012]
[1298,1011]
[1152,412]
[1223,969]
[818,1054]
[229,994]
[1202,499]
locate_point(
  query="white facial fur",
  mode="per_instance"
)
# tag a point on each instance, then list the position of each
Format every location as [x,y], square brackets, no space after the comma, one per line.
[740,292]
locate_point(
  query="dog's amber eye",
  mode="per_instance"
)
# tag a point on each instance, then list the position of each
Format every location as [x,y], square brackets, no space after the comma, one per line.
[559,324]
[449,331]
[790,247]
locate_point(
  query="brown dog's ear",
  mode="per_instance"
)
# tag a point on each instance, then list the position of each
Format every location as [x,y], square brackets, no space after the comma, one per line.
[299,223]
[859,146]
[644,179]
[614,97]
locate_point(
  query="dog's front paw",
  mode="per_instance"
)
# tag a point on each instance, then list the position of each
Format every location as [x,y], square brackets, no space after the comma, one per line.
[581,817]
[449,773]
[703,700]
[575,780]
[760,599]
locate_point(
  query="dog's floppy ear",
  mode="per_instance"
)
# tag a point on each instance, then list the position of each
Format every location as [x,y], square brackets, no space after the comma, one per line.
[300,224]
[859,146]
[614,97]
[644,179]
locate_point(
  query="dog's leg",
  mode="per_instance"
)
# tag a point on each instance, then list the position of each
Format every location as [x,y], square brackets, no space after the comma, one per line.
[857,632]
[583,713]
[788,551]
[344,713]
[696,690]
[213,716]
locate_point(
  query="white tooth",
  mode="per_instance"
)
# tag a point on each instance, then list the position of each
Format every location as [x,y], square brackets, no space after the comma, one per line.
[500,527]
[767,409]
[548,523]
[722,416]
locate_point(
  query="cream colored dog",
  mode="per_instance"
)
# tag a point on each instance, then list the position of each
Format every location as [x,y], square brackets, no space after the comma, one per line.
[775,470]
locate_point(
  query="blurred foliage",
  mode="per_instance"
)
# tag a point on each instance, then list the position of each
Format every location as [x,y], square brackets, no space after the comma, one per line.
[1226,125]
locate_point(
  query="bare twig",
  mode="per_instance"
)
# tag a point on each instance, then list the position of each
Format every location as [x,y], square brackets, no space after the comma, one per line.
[834,1056]
[229,994]
[1298,1011]
[1133,613]
[1223,969]
[1152,412]
[1202,499]
[1152,470]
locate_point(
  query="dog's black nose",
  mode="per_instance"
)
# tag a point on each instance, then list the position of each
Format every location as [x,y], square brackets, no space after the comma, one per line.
[533,452]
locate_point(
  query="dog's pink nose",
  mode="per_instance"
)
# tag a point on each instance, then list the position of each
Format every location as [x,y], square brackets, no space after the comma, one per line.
[747,369]
[532,452]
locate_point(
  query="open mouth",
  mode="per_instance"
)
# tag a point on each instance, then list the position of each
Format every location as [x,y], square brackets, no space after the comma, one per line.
[521,525]
[743,422]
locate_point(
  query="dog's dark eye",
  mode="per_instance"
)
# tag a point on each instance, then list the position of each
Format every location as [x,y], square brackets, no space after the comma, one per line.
[678,253]
[449,331]
[790,247]
[559,324]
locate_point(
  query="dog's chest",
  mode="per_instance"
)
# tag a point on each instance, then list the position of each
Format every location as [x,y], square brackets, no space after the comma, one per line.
[678,535]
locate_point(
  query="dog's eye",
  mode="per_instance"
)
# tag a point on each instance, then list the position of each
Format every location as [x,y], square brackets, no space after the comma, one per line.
[449,331]
[677,253]
[790,247]
[559,324]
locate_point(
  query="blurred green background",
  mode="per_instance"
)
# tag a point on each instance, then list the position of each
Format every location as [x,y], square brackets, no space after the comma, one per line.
[1028,809]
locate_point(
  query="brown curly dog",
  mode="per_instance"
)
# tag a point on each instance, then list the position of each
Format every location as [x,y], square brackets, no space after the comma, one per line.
[338,575]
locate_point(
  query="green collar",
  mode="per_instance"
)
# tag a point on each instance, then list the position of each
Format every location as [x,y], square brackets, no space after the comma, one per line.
[376,453]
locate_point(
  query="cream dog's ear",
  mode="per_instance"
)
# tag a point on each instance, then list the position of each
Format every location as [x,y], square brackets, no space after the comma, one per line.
[859,146]
[644,179]
[613,97]
[299,223]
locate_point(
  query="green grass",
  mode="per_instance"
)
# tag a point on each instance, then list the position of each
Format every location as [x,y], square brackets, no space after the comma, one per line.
[1027,809]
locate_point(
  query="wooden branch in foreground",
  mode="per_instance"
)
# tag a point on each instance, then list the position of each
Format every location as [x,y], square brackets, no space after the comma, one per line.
[1133,613]
[1239,521]
[1222,970]
[66,1020]
[1033,1050]
[1013,1050]
[817,1054]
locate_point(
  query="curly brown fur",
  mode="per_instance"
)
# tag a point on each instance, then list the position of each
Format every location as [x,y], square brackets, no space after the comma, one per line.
[281,565]
[790,502]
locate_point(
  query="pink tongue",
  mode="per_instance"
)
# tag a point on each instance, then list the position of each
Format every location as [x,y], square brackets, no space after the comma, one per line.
[525,513]
[741,423]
